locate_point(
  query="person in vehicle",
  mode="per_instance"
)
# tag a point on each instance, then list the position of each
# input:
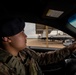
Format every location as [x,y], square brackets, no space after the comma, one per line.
[16,58]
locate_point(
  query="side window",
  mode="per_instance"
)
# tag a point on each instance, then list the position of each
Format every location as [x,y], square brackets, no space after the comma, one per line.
[45,36]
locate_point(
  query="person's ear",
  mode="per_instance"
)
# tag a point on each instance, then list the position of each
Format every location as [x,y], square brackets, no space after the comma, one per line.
[6,39]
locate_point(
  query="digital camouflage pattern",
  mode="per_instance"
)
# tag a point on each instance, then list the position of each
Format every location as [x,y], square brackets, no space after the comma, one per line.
[26,63]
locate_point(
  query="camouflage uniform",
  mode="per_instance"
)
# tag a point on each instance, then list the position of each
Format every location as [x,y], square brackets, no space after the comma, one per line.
[26,63]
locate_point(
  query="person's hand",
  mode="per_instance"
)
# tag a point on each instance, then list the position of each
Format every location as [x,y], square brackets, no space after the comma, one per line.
[72,47]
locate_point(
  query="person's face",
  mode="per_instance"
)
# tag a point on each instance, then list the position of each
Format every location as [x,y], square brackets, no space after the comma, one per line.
[18,41]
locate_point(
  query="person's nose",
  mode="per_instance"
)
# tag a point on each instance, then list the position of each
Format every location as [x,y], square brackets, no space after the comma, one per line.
[25,35]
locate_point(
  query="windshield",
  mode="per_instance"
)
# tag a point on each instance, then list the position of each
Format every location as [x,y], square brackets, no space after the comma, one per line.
[72,20]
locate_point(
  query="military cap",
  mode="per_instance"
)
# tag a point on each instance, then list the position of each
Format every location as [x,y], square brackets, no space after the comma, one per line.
[12,26]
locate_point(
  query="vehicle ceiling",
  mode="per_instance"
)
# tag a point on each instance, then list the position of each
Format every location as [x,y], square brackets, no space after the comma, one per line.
[35,11]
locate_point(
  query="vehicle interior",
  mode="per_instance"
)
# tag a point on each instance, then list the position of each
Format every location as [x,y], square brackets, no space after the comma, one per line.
[59,14]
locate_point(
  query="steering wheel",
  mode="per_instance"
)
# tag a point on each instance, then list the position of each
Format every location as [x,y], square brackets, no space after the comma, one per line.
[70,65]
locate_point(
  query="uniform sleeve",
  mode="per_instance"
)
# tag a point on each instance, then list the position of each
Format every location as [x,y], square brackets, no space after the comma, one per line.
[56,56]
[53,56]
[4,70]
